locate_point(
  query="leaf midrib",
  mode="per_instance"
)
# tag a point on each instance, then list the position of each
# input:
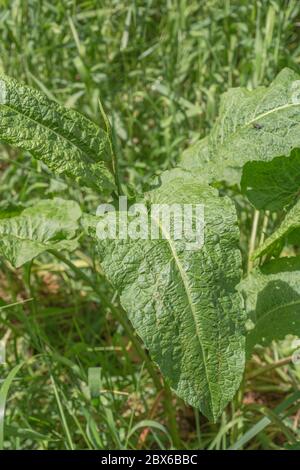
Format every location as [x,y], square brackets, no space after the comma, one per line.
[257,118]
[61,136]
[190,303]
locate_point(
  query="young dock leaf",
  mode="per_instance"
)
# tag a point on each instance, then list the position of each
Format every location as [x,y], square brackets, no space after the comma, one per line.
[272,185]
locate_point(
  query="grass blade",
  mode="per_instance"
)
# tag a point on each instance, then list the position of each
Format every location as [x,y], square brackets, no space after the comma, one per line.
[62,415]
[3,398]
[264,422]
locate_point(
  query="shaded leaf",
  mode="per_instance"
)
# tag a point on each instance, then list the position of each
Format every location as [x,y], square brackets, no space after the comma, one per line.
[272,299]
[183,303]
[272,185]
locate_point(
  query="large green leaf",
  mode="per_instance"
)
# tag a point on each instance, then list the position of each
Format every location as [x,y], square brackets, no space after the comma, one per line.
[288,227]
[48,225]
[272,185]
[272,298]
[66,141]
[252,125]
[183,303]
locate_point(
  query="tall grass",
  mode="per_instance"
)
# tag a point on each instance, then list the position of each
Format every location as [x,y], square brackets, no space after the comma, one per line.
[159,69]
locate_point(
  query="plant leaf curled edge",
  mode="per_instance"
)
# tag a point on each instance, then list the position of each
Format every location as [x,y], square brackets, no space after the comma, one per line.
[272,294]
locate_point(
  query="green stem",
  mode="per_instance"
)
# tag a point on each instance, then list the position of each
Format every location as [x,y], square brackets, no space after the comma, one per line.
[115,164]
[111,138]
[171,413]
[264,227]
[253,239]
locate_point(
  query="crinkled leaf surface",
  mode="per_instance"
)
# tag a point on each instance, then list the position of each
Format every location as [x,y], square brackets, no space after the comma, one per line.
[183,303]
[272,185]
[252,125]
[272,298]
[66,141]
[197,155]
[274,242]
[49,224]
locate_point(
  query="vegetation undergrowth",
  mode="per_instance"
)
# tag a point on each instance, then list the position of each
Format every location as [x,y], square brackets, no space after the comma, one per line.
[86,381]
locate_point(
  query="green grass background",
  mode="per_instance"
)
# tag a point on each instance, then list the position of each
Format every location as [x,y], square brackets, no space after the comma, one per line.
[159,68]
